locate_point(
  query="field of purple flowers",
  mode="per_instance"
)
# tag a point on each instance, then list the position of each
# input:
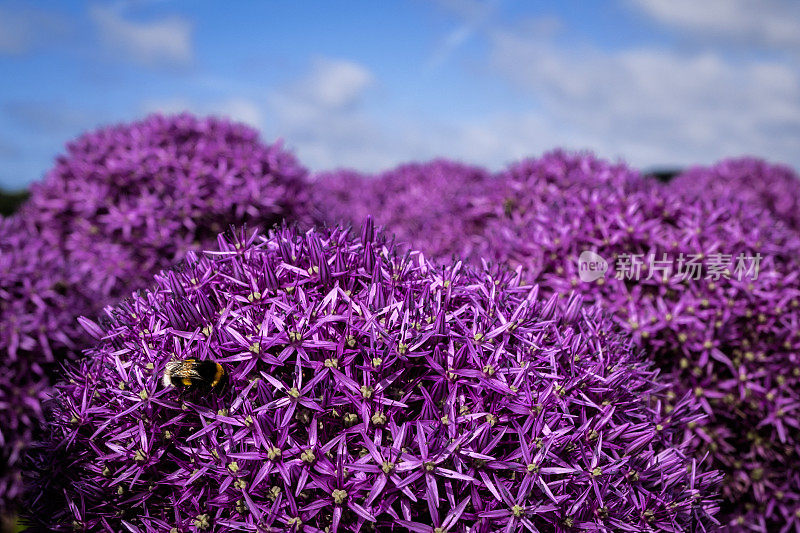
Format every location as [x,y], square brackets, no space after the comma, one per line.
[427,349]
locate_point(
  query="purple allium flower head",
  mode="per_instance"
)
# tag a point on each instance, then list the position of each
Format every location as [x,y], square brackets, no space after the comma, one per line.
[732,343]
[122,204]
[439,207]
[37,311]
[367,391]
[342,197]
[558,171]
[775,188]
[165,184]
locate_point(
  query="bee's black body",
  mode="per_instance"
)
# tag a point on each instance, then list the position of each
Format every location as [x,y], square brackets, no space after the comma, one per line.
[193,374]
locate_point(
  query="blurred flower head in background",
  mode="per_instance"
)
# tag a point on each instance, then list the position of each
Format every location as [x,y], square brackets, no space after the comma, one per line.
[440,207]
[729,339]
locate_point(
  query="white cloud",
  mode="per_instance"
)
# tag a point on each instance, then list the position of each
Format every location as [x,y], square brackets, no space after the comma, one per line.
[242,110]
[755,22]
[474,14]
[334,84]
[164,41]
[322,116]
[452,42]
[348,135]
[656,106]
[334,128]
[646,105]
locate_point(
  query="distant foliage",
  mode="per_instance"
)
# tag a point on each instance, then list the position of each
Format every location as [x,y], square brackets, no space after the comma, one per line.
[10,201]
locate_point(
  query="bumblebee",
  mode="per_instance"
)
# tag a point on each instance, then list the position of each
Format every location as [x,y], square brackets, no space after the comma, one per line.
[193,374]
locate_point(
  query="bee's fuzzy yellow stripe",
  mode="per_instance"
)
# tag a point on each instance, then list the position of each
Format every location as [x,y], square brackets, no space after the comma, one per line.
[217,375]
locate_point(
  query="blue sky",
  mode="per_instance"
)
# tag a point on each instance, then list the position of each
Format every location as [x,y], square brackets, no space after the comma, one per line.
[369,84]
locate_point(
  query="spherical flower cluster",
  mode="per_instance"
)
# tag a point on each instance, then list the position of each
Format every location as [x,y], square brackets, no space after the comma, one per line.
[163,186]
[366,390]
[122,204]
[38,305]
[709,288]
[343,197]
[775,188]
[440,207]
[556,173]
